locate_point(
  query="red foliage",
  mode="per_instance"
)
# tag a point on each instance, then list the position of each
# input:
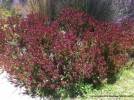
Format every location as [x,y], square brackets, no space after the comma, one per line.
[74,48]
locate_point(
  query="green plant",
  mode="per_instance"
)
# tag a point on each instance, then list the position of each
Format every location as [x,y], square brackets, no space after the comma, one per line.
[5,13]
[79,89]
[6,4]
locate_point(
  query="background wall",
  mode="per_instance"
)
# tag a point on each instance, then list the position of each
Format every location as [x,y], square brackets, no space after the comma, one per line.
[122,8]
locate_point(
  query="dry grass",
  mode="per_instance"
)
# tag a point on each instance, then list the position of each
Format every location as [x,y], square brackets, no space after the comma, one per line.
[37,6]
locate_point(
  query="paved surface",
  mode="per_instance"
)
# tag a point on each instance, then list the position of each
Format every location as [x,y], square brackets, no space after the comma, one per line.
[9,92]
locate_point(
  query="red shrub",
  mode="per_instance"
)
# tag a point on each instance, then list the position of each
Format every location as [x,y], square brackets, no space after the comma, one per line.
[127,25]
[76,22]
[74,48]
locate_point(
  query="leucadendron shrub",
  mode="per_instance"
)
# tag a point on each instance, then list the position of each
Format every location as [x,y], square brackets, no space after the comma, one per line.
[44,57]
[128,26]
